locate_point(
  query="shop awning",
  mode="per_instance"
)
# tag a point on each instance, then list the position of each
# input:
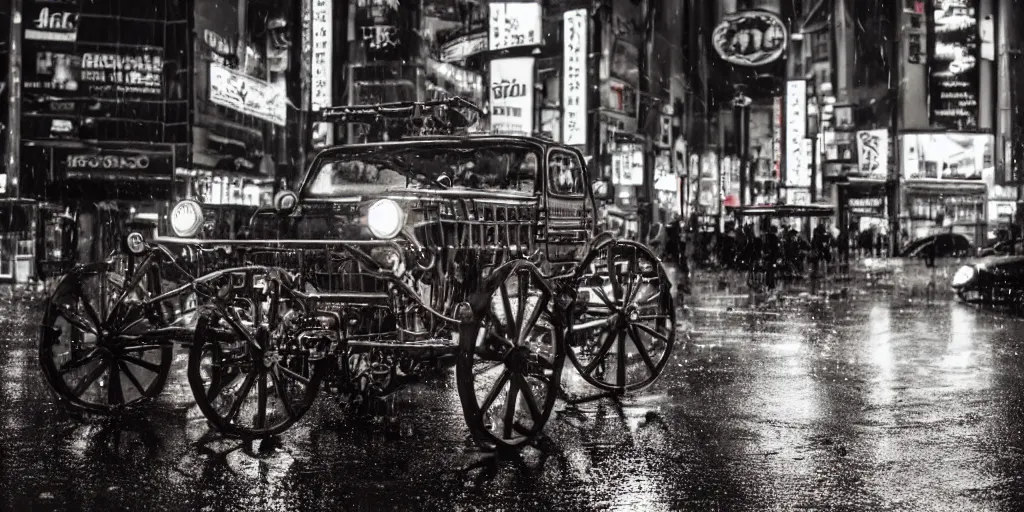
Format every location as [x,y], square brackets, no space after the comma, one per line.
[787,210]
[946,187]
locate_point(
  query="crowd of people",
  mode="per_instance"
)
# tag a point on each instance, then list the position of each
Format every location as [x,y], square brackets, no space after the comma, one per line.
[780,251]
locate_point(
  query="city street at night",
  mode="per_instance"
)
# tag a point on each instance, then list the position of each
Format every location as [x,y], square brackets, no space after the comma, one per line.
[880,401]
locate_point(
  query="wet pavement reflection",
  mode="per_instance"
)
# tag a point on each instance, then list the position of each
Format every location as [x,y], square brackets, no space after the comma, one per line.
[867,403]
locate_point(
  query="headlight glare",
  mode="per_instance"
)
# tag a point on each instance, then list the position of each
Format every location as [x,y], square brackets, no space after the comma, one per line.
[963,275]
[186,218]
[385,219]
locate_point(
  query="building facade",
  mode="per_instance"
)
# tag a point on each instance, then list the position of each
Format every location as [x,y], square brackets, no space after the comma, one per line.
[128,106]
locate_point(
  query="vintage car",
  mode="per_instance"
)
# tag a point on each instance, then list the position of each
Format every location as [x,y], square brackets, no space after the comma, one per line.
[996,280]
[392,257]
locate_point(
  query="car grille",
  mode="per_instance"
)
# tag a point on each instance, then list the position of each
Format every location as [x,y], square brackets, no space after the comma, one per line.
[479,225]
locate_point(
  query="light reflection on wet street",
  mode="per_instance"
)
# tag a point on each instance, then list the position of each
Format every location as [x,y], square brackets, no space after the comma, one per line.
[871,403]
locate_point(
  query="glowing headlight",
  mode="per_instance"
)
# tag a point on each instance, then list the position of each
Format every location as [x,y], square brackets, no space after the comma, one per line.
[186,218]
[385,219]
[136,244]
[963,275]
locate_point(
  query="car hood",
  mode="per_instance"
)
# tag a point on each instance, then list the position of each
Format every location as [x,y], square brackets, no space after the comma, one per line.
[995,263]
[344,218]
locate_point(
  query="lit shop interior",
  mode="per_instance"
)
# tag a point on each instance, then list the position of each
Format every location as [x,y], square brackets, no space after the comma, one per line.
[944,189]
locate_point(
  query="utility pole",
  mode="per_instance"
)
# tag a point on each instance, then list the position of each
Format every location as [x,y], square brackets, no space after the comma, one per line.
[13,149]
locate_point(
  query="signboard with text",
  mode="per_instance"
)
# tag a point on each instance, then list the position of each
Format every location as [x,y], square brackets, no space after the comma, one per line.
[514,24]
[797,167]
[511,96]
[247,95]
[322,54]
[873,154]
[131,72]
[51,21]
[955,77]
[574,78]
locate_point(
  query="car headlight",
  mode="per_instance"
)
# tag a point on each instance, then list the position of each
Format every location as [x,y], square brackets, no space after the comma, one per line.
[385,219]
[187,218]
[963,275]
[136,244]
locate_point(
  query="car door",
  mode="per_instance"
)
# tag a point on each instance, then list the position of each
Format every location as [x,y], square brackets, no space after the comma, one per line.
[568,210]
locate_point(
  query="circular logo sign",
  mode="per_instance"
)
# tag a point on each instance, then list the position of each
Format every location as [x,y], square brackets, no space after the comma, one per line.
[750,38]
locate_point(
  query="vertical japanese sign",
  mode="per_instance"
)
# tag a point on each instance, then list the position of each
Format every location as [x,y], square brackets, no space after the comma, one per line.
[321,67]
[873,153]
[797,174]
[777,137]
[514,24]
[511,90]
[574,77]
[953,66]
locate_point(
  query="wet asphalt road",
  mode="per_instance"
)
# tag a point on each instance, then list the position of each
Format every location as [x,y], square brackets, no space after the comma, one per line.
[869,403]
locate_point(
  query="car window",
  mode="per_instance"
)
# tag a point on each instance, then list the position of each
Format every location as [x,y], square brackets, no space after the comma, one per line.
[565,173]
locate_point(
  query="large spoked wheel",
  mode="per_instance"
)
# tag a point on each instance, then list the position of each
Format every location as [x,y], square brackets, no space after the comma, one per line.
[624,329]
[510,358]
[249,374]
[90,349]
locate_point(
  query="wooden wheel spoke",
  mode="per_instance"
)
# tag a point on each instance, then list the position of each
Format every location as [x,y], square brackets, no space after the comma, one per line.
[642,350]
[531,322]
[652,332]
[142,348]
[287,372]
[236,406]
[138,361]
[115,395]
[529,398]
[510,321]
[492,395]
[87,306]
[89,379]
[522,294]
[613,275]
[653,317]
[631,278]
[279,386]
[510,409]
[601,352]
[261,401]
[76,320]
[131,378]
[74,365]
[605,299]
[620,370]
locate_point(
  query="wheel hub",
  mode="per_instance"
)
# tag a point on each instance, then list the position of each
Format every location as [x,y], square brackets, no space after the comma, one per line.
[518,360]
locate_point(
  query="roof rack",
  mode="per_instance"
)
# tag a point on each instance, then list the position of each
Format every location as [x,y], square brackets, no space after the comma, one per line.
[447,116]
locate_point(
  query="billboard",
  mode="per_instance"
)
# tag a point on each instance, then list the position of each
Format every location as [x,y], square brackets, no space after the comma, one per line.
[953,65]
[946,156]
[511,96]
[574,77]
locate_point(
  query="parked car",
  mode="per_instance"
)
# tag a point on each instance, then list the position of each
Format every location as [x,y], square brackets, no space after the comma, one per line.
[946,245]
[997,280]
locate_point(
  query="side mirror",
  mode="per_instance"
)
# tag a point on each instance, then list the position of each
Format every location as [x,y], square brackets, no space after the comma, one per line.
[285,202]
[602,190]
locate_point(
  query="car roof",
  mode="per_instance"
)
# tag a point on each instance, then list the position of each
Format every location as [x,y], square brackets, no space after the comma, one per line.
[518,140]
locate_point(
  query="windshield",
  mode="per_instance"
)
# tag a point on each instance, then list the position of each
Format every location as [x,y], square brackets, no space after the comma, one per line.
[479,168]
